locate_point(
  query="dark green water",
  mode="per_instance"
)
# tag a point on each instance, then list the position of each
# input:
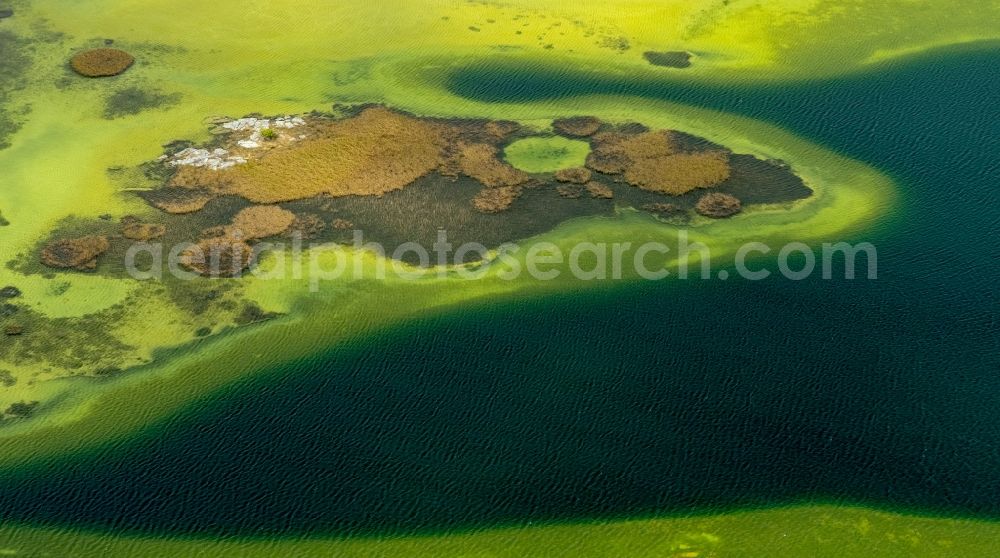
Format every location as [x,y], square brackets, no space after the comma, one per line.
[652,398]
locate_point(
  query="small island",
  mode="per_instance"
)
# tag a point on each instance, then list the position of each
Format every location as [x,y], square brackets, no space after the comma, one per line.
[400,178]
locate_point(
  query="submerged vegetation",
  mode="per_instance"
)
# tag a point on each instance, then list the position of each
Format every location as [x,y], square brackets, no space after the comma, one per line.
[14,62]
[672,59]
[133,100]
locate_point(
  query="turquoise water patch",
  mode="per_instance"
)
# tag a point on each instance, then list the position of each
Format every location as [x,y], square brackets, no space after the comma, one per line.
[546,154]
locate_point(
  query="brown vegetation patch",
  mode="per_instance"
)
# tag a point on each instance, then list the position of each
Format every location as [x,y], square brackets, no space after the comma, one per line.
[496,200]
[342,224]
[679,174]
[222,256]
[614,152]
[500,129]
[134,229]
[576,176]
[261,221]
[75,253]
[199,179]
[178,200]
[307,226]
[481,161]
[663,208]
[373,153]
[101,62]
[214,232]
[607,162]
[599,191]
[570,191]
[718,205]
[577,126]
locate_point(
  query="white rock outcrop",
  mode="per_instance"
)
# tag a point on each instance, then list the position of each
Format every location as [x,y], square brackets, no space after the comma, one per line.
[219,159]
[256,125]
[216,159]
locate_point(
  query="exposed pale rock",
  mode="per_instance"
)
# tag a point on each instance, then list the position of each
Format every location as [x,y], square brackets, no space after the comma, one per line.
[216,159]
[256,126]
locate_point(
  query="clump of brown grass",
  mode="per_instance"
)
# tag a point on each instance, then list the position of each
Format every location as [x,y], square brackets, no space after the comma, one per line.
[614,152]
[481,162]
[199,178]
[599,191]
[179,200]
[663,208]
[213,232]
[222,256]
[718,205]
[134,229]
[570,191]
[496,200]
[101,62]
[576,126]
[499,129]
[650,161]
[373,153]
[75,253]
[575,175]
[307,225]
[679,174]
[261,221]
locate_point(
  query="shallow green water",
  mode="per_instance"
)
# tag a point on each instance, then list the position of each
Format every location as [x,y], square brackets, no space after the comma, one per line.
[546,154]
[645,399]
